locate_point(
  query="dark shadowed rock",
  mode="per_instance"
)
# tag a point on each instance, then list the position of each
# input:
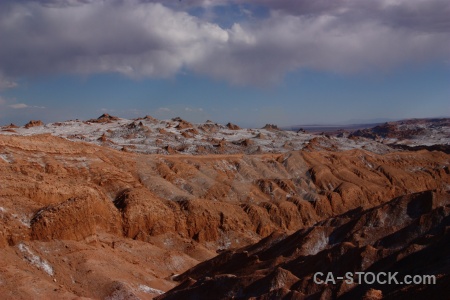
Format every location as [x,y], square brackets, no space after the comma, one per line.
[271,127]
[232,126]
[34,123]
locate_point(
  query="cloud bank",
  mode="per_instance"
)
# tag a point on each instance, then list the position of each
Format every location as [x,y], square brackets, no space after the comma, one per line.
[160,39]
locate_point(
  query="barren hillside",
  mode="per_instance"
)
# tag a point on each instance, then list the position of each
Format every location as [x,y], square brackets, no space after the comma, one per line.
[85,220]
[408,235]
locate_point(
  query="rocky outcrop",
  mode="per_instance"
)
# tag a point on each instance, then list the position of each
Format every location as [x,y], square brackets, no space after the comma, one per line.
[405,129]
[76,219]
[34,123]
[232,126]
[408,235]
[144,214]
[104,118]
[182,124]
[271,127]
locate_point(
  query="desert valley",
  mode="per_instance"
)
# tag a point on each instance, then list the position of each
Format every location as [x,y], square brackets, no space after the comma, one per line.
[112,208]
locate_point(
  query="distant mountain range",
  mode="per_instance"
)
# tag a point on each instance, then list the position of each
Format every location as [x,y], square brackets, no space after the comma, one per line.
[150,135]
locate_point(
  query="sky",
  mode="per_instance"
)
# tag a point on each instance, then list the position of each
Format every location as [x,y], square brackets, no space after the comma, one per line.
[249,62]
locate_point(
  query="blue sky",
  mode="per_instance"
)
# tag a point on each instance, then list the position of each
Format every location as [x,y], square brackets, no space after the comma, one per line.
[247,62]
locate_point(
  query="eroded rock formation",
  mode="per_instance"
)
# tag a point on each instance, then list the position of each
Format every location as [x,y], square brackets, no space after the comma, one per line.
[408,235]
[89,221]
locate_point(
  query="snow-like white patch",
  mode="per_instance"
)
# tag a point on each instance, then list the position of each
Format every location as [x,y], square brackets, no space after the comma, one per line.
[224,241]
[35,260]
[2,210]
[229,166]
[149,290]
[7,158]
[319,245]
[168,242]
[22,219]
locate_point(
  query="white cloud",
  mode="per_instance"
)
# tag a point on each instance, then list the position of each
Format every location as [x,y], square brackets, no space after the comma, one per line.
[190,109]
[23,105]
[18,105]
[147,39]
[135,39]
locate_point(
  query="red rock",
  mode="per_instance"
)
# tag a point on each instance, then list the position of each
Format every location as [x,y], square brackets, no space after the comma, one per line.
[174,211]
[232,126]
[34,123]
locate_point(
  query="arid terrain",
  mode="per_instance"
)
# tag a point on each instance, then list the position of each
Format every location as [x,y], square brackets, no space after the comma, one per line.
[111,208]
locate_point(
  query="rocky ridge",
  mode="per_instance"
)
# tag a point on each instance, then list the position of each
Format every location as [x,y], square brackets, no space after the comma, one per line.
[81,219]
[177,136]
[410,133]
[409,235]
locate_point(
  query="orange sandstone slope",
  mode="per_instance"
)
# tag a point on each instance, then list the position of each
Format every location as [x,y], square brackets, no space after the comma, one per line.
[79,220]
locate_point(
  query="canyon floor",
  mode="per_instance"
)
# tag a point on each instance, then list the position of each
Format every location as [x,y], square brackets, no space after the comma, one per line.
[111,208]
